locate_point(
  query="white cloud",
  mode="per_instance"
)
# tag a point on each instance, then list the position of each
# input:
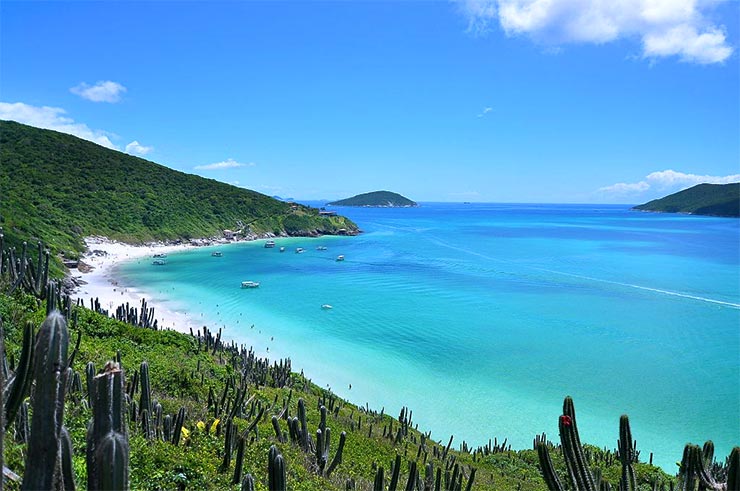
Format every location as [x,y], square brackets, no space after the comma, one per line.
[671,178]
[103,91]
[52,118]
[226,164]
[665,27]
[485,111]
[626,188]
[666,181]
[135,148]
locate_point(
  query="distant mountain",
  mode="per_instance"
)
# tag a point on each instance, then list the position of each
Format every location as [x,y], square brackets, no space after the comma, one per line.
[384,199]
[721,200]
[58,188]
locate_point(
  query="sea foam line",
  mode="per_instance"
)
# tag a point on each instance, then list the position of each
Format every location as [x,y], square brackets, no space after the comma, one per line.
[590,278]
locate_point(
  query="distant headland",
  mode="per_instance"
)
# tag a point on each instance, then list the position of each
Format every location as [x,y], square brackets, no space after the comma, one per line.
[720,200]
[382,199]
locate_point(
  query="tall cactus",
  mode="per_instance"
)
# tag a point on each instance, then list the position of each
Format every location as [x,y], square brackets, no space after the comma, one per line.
[145,401]
[575,459]
[628,482]
[44,458]
[107,437]
[20,384]
[276,470]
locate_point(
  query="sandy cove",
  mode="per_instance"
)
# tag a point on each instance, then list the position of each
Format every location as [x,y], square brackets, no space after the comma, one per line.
[101,256]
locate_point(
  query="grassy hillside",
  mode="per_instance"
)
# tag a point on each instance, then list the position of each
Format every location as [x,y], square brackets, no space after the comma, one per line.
[376,198]
[721,200]
[59,188]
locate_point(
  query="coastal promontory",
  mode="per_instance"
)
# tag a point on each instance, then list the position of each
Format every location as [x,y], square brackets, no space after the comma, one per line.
[380,199]
[721,200]
[58,188]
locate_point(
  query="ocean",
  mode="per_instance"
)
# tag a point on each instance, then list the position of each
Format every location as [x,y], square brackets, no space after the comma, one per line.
[481,318]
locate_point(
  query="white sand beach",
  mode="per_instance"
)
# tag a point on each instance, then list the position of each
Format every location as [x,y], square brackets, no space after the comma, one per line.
[102,255]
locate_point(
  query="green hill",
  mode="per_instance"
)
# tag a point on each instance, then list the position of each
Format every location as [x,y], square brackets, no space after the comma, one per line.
[59,189]
[722,200]
[385,199]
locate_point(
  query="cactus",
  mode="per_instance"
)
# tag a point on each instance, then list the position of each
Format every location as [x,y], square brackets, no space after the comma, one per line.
[733,470]
[20,384]
[43,461]
[177,426]
[337,455]
[239,465]
[395,470]
[89,376]
[628,482]
[303,435]
[248,483]
[107,437]
[575,460]
[548,470]
[68,475]
[145,401]
[275,470]
[228,445]
[379,482]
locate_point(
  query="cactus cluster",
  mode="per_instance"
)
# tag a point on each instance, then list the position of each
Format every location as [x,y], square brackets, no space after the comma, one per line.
[693,474]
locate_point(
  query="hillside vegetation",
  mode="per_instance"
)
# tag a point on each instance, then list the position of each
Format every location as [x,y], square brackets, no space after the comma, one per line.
[59,188]
[385,199]
[722,200]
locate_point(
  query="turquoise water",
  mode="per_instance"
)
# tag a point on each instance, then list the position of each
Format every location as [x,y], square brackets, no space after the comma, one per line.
[482,317]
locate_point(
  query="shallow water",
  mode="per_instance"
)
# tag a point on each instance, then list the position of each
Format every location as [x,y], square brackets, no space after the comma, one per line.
[482,317]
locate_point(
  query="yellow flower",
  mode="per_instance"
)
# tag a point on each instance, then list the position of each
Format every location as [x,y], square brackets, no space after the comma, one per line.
[214,426]
[185,435]
[200,425]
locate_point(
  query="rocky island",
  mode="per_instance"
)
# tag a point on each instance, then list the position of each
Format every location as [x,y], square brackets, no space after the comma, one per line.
[720,200]
[381,199]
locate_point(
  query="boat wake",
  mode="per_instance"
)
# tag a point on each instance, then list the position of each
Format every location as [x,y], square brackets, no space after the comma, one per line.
[590,278]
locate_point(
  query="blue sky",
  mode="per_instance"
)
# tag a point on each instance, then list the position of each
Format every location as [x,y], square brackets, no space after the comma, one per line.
[470,100]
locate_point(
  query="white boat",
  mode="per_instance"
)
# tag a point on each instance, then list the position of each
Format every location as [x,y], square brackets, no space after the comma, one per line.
[159,262]
[326,306]
[217,254]
[160,255]
[269,244]
[282,249]
[300,250]
[340,258]
[321,248]
[250,284]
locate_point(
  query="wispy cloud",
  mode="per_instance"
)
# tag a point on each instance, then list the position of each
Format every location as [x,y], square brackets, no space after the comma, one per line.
[485,111]
[226,164]
[135,148]
[53,118]
[103,91]
[665,27]
[665,181]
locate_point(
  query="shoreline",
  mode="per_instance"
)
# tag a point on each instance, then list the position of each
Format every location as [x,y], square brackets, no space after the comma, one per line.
[98,279]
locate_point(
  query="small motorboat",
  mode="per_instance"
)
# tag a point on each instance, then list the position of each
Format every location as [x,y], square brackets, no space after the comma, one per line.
[159,262]
[300,250]
[340,258]
[282,249]
[217,254]
[321,248]
[250,284]
[160,255]
[269,244]
[326,306]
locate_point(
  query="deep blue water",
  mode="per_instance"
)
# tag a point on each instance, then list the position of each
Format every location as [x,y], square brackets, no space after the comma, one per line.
[482,317]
